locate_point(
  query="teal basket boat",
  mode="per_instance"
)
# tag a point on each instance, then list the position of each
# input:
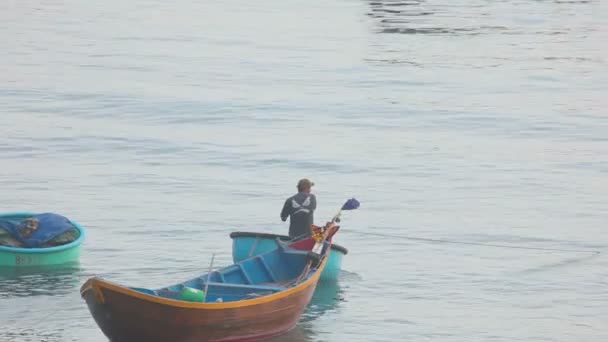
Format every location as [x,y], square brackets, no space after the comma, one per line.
[249,244]
[47,256]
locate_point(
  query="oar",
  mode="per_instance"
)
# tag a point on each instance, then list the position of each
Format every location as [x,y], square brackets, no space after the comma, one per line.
[350,204]
[330,227]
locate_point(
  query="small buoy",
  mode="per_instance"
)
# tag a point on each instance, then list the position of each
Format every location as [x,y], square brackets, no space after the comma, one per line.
[192,295]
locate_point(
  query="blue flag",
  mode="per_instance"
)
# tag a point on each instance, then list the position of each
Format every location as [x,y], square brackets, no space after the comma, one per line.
[351,204]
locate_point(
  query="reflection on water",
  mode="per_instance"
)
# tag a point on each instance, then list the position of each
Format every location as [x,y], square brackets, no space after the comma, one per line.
[421,17]
[418,17]
[36,281]
[31,335]
[401,16]
[301,333]
[327,297]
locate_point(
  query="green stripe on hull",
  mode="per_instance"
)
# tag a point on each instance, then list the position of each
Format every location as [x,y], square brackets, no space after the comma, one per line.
[20,259]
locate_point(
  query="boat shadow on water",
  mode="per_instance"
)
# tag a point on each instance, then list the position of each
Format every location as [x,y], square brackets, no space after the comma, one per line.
[326,299]
[39,280]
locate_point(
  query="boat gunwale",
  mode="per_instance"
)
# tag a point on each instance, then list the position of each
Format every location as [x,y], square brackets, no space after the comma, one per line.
[95,284]
[44,250]
[239,234]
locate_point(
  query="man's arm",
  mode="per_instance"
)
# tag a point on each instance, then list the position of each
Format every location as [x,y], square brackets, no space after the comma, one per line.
[313,202]
[285,211]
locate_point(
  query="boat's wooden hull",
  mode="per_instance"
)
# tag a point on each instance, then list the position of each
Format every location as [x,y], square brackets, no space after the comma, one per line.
[127,315]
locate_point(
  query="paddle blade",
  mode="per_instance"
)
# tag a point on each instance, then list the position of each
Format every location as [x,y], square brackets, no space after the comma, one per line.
[351,204]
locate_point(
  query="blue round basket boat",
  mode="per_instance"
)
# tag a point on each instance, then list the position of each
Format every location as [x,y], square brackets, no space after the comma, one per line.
[47,256]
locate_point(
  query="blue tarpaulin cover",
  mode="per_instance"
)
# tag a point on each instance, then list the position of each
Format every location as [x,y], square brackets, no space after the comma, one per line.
[39,229]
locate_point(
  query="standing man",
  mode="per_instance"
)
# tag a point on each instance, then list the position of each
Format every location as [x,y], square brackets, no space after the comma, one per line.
[300,208]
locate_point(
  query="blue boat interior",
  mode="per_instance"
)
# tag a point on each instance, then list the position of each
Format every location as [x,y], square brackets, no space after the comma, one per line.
[258,276]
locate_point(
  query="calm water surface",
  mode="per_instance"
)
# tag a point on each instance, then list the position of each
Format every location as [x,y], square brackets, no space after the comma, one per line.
[163,126]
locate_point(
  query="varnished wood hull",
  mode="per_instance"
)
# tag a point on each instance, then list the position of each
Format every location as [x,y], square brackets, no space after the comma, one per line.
[127,315]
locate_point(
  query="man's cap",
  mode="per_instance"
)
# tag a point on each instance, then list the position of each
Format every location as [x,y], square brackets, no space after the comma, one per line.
[305,183]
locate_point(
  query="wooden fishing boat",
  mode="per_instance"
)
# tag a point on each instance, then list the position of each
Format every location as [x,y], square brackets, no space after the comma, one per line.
[44,256]
[249,244]
[250,300]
